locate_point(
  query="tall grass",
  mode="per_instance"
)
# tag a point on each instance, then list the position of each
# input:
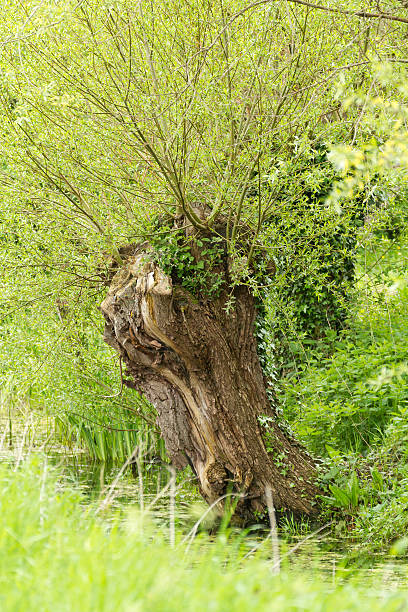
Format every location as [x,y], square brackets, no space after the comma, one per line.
[56,555]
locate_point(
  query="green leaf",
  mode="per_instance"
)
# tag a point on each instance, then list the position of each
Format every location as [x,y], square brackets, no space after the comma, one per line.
[378,480]
[341,496]
[354,490]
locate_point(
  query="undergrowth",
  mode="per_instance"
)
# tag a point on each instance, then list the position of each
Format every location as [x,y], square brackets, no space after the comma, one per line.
[348,401]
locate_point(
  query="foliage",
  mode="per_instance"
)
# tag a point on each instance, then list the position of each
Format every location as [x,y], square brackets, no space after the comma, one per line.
[310,293]
[316,265]
[173,104]
[347,392]
[55,361]
[381,151]
[195,262]
[349,401]
[369,494]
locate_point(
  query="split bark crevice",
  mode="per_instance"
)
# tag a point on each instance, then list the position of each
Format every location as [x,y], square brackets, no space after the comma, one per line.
[199,367]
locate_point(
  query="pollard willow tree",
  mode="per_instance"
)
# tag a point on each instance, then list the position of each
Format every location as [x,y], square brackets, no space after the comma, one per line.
[168,137]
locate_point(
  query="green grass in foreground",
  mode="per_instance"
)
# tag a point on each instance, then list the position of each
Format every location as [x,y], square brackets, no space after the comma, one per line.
[56,555]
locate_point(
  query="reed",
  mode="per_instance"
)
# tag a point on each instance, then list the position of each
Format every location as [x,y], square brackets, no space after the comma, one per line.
[104,442]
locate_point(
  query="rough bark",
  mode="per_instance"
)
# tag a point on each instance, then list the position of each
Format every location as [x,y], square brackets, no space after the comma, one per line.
[199,367]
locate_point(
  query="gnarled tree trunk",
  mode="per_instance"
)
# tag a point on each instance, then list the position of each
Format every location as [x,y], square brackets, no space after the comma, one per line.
[199,367]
